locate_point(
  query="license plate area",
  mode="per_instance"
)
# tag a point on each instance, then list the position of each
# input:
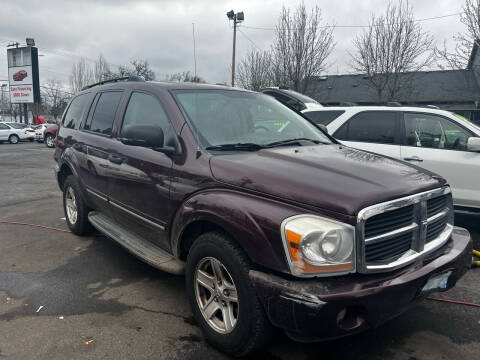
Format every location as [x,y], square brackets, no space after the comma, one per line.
[438,282]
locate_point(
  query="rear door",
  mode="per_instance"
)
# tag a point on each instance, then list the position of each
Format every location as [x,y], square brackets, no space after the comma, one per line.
[375,131]
[95,142]
[439,144]
[140,181]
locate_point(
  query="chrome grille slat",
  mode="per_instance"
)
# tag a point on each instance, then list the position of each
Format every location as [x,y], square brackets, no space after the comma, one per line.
[395,233]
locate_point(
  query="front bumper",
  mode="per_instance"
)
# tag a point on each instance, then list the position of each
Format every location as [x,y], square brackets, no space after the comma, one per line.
[327,308]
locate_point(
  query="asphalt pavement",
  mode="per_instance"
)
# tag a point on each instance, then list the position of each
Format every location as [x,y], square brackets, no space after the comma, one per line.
[68,297]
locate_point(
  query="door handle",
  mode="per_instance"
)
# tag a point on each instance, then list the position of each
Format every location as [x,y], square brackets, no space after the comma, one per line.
[413,158]
[115,159]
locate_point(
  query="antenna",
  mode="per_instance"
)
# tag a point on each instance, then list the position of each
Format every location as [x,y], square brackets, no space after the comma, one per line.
[194,50]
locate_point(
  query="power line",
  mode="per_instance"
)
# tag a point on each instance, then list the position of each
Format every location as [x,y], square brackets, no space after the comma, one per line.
[246,37]
[354,26]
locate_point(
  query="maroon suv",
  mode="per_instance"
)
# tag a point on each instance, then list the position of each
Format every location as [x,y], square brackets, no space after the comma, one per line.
[271,224]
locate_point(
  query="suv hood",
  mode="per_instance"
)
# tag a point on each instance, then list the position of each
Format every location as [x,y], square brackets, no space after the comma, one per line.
[331,177]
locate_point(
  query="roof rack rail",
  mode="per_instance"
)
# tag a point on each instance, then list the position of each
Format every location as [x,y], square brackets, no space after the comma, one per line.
[394,104]
[124,78]
[347,103]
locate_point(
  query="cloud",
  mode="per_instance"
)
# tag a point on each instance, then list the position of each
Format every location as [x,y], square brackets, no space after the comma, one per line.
[161,31]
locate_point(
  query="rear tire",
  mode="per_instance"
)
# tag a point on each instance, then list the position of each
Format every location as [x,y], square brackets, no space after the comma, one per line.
[49,141]
[13,139]
[251,328]
[75,209]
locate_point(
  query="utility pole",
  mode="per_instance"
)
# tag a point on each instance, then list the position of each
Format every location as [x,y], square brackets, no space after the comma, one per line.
[237,18]
[194,51]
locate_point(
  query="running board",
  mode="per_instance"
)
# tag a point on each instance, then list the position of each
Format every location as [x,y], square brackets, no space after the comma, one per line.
[145,250]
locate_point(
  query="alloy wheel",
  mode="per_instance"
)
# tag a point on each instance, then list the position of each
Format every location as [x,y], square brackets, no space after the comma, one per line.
[71,205]
[216,295]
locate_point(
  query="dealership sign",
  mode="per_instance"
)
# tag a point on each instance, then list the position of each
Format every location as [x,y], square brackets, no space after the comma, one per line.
[23,75]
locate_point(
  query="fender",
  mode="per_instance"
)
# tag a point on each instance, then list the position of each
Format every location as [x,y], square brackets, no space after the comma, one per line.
[69,158]
[252,221]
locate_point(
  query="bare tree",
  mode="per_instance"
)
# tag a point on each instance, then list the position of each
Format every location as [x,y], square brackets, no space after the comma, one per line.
[458,58]
[185,76]
[137,67]
[254,71]
[301,47]
[392,47]
[80,76]
[101,70]
[55,98]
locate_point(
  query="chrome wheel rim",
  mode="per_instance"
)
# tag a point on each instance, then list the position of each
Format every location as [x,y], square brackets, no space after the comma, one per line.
[216,295]
[14,139]
[49,141]
[71,205]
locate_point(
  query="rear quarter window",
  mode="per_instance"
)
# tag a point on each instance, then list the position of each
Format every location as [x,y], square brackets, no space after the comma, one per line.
[74,113]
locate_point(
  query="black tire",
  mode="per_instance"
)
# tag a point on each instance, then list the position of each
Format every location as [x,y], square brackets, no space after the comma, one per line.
[81,226]
[31,140]
[13,139]
[252,329]
[49,139]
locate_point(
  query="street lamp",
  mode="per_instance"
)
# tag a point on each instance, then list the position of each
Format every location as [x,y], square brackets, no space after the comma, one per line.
[237,18]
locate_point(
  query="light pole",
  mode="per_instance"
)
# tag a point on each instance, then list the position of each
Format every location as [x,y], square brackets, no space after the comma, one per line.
[237,18]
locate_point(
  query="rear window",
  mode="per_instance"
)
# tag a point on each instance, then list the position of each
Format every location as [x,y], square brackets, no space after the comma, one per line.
[323,117]
[104,114]
[74,113]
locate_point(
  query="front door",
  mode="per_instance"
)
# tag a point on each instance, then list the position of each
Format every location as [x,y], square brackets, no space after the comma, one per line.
[440,145]
[140,182]
[4,132]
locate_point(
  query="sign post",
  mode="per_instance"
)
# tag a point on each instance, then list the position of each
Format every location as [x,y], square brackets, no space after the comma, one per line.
[23,76]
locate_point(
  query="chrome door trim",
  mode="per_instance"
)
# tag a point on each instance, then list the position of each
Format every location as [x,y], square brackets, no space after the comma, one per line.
[150,222]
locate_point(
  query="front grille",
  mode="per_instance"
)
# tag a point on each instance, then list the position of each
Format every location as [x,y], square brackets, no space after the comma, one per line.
[389,221]
[403,229]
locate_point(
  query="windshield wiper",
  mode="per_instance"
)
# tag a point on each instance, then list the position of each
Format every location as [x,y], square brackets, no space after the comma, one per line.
[236,147]
[296,141]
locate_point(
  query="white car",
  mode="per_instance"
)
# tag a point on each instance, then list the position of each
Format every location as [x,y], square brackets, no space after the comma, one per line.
[437,140]
[14,132]
[39,129]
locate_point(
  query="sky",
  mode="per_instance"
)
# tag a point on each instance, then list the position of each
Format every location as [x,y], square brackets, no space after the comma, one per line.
[160,31]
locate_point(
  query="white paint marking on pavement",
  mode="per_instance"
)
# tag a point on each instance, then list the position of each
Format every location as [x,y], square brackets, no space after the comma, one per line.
[63,218]
[40,308]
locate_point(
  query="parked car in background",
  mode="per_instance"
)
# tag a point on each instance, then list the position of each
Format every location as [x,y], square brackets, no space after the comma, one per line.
[12,134]
[39,130]
[292,98]
[286,227]
[16,132]
[434,139]
[49,135]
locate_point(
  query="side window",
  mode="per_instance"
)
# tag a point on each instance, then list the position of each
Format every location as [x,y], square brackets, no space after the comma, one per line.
[323,117]
[4,127]
[145,109]
[432,131]
[104,114]
[375,127]
[74,113]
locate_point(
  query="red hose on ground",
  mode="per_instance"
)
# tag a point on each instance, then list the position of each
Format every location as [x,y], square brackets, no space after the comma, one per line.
[34,225]
[454,301]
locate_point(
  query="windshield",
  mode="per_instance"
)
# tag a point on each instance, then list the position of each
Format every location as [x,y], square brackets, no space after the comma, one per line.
[238,117]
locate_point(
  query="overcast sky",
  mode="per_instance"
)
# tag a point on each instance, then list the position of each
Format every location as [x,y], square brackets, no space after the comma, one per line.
[161,31]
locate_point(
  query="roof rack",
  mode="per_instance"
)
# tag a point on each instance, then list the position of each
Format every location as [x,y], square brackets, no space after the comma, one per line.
[347,103]
[125,78]
[394,104]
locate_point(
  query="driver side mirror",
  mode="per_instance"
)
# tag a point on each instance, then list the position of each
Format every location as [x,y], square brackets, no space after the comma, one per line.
[473,144]
[148,136]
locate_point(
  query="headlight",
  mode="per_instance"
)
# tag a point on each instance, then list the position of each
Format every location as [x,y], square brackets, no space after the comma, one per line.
[316,245]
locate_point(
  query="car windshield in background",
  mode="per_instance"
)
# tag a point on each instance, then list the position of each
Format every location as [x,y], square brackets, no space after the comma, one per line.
[323,117]
[249,120]
[303,98]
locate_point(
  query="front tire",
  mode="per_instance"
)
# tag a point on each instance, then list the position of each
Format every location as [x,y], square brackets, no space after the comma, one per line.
[49,141]
[13,139]
[223,300]
[74,207]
